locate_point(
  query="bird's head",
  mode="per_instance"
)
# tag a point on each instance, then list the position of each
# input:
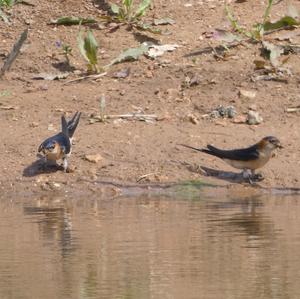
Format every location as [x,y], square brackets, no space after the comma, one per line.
[270,143]
[50,147]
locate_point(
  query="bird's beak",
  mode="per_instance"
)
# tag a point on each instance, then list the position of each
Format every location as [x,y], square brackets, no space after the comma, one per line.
[279,146]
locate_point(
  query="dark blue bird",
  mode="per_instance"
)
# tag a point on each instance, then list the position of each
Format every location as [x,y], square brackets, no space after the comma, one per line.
[250,158]
[59,146]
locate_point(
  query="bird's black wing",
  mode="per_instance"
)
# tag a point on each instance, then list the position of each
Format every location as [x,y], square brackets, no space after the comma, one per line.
[245,154]
[64,142]
[73,123]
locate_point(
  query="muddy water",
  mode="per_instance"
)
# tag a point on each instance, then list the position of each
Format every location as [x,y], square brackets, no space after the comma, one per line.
[150,248]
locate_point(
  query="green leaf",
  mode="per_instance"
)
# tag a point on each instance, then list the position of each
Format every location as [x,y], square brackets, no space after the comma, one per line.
[8,3]
[267,11]
[91,47]
[284,22]
[142,8]
[234,23]
[69,21]
[80,42]
[88,48]
[115,8]
[131,54]
[128,3]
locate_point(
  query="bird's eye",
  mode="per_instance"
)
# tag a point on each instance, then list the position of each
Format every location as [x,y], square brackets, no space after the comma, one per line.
[271,140]
[51,146]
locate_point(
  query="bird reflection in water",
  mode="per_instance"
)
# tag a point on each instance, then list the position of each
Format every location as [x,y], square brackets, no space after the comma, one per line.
[54,222]
[242,216]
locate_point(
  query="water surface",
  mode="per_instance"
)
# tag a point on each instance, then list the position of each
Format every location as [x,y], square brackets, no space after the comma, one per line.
[150,247]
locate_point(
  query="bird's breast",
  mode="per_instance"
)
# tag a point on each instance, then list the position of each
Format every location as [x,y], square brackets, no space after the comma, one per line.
[55,154]
[251,164]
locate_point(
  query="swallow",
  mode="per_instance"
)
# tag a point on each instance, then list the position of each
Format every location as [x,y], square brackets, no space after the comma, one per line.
[250,158]
[59,146]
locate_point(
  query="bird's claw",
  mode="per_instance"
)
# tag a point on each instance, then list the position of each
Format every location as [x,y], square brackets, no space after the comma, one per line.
[257,177]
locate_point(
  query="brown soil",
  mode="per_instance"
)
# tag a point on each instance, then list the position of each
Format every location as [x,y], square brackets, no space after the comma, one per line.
[132,149]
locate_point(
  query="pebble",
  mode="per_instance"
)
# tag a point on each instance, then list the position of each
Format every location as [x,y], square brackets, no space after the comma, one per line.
[254,118]
[94,158]
[249,94]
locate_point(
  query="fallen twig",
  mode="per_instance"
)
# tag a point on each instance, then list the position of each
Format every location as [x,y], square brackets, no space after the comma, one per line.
[14,52]
[94,77]
[293,109]
[138,116]
[129,116]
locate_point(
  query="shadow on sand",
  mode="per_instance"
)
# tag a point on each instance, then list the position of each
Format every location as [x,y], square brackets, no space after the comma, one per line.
[39,166]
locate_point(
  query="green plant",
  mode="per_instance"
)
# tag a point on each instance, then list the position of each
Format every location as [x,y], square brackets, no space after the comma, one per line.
[88,47]
[67,52]
[257,32]
[131,15]
[271,50]
[128,13]
[8,3]
[260,29]
[5,3]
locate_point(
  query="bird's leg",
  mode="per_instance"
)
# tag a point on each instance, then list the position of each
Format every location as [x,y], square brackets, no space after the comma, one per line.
[247,175]
[65,164]
[256,176]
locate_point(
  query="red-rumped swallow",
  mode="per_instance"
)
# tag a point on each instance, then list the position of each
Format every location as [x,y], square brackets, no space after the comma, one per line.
[250,158]
[59,146]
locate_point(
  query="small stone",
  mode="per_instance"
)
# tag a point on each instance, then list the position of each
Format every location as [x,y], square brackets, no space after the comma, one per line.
[149,74]
[95,158]
[33,125]
[195,80]
[50,127]
[249,94]
[254,118]
[123,73]
[214,114]
[241,119]
[192,118]
[44,87]
[231,112]
[56,185]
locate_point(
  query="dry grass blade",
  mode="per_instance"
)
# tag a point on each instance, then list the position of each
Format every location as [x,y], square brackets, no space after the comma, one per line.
[14,53]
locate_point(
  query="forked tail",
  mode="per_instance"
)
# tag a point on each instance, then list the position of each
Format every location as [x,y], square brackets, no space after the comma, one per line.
[73,123]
